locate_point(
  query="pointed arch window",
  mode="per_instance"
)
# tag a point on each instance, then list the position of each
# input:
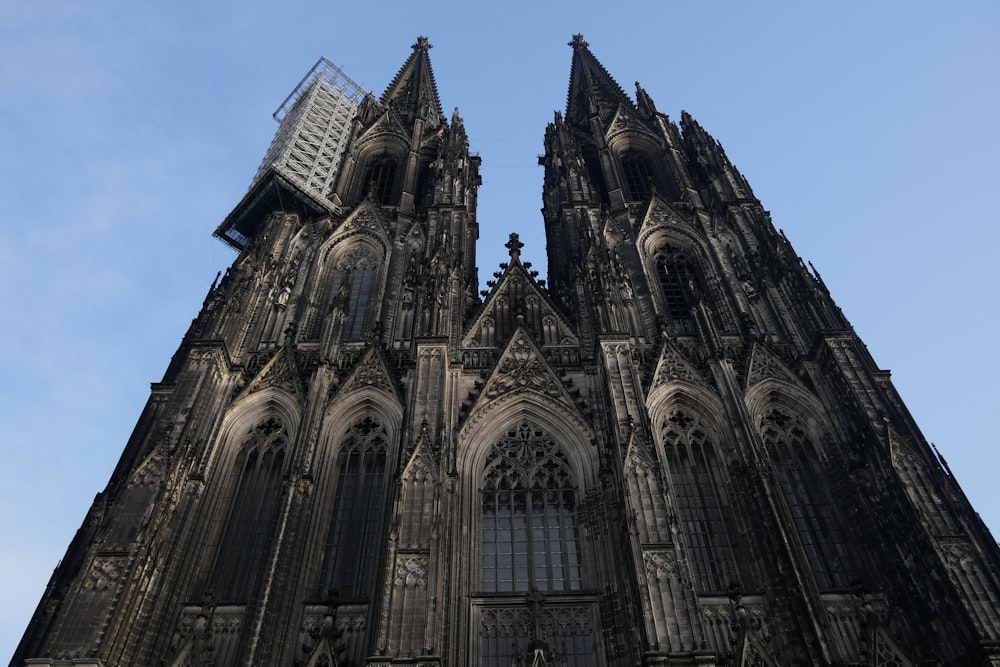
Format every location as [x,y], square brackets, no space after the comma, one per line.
[638,176]
[531,571]
[677,281]
[253,493]
[798,472]
[529,532]
[351,293]
[699,493]
[352,542]
[380,178]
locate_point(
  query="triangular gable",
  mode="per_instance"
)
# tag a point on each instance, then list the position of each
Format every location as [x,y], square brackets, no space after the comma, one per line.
[423,460]
[887,653]
[660,215]
[673,366]
[639,454]
[322,655]
[522,369]
[152,470]
[764,365]
[506,309]
[388,124]
[614,230]
[753,653]
[280,372]
[370,373]
[366,216]
[626,119]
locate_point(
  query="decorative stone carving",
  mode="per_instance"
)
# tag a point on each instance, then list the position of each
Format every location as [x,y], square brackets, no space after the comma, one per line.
[105,571]
[411,571]
[279,372]
[522,368]
[674,366]
[765,366]
[660,564]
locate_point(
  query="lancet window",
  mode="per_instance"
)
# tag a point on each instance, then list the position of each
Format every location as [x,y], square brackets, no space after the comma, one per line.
[352,542]
[699,493]
[638,176]
[351,293]
[677,281]
[380,178]
[798,471]
[252,495]
[529,531]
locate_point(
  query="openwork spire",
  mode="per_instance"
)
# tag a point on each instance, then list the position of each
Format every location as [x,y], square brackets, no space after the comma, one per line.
[591,88]
[413,91]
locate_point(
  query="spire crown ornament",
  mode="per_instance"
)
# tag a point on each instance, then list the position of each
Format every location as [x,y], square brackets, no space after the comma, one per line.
[514,246]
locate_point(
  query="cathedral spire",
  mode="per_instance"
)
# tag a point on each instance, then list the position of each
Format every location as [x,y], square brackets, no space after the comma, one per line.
[413,91]
[591,88]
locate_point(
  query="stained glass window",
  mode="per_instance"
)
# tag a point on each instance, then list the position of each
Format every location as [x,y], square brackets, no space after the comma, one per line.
[357,511]
[529,533]
[253,493]
[699,491]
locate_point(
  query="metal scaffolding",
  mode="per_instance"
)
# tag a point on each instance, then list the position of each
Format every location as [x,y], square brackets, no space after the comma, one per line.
[315,127]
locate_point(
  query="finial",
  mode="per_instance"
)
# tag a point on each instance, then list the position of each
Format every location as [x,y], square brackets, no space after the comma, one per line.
[423,44]
[577,40]
[514,245]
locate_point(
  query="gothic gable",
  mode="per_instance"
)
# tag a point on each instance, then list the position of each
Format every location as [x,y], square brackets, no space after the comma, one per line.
[365,218]
[522,369]
[421,462]
[627,121]
[753,653]
[765,365]
[370,373]
[280,372]
[517,301]
[673,366]
[387,127]
[887,653]
[660,217]
[639,455]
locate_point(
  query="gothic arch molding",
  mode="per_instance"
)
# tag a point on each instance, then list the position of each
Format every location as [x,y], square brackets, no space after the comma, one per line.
[571,432]
[370,409]
[351,405]
[774,393]
[351,236]
[652,242]
[677,393]
[383,141]
[247,412]
[351,261]
[255,444]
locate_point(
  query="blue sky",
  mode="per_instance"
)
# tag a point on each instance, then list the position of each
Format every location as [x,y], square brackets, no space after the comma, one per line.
[129,129]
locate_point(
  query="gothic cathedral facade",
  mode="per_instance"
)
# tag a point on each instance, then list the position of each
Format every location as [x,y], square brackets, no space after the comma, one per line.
[678,452]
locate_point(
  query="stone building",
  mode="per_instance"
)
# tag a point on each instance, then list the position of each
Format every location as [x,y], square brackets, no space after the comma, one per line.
[678,452]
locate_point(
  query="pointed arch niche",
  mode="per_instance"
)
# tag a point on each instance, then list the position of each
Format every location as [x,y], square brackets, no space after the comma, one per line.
[247,490]
[693,444]
[360,436]
[526,475]
[793,434]
[349,289]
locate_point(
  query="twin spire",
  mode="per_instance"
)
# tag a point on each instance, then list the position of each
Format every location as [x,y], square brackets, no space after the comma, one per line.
[413,92]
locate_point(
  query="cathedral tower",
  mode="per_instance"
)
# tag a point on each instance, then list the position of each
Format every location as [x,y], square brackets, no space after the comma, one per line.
[678,452]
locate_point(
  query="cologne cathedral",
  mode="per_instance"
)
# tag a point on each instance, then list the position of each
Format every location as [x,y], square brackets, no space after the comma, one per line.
[675,452]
